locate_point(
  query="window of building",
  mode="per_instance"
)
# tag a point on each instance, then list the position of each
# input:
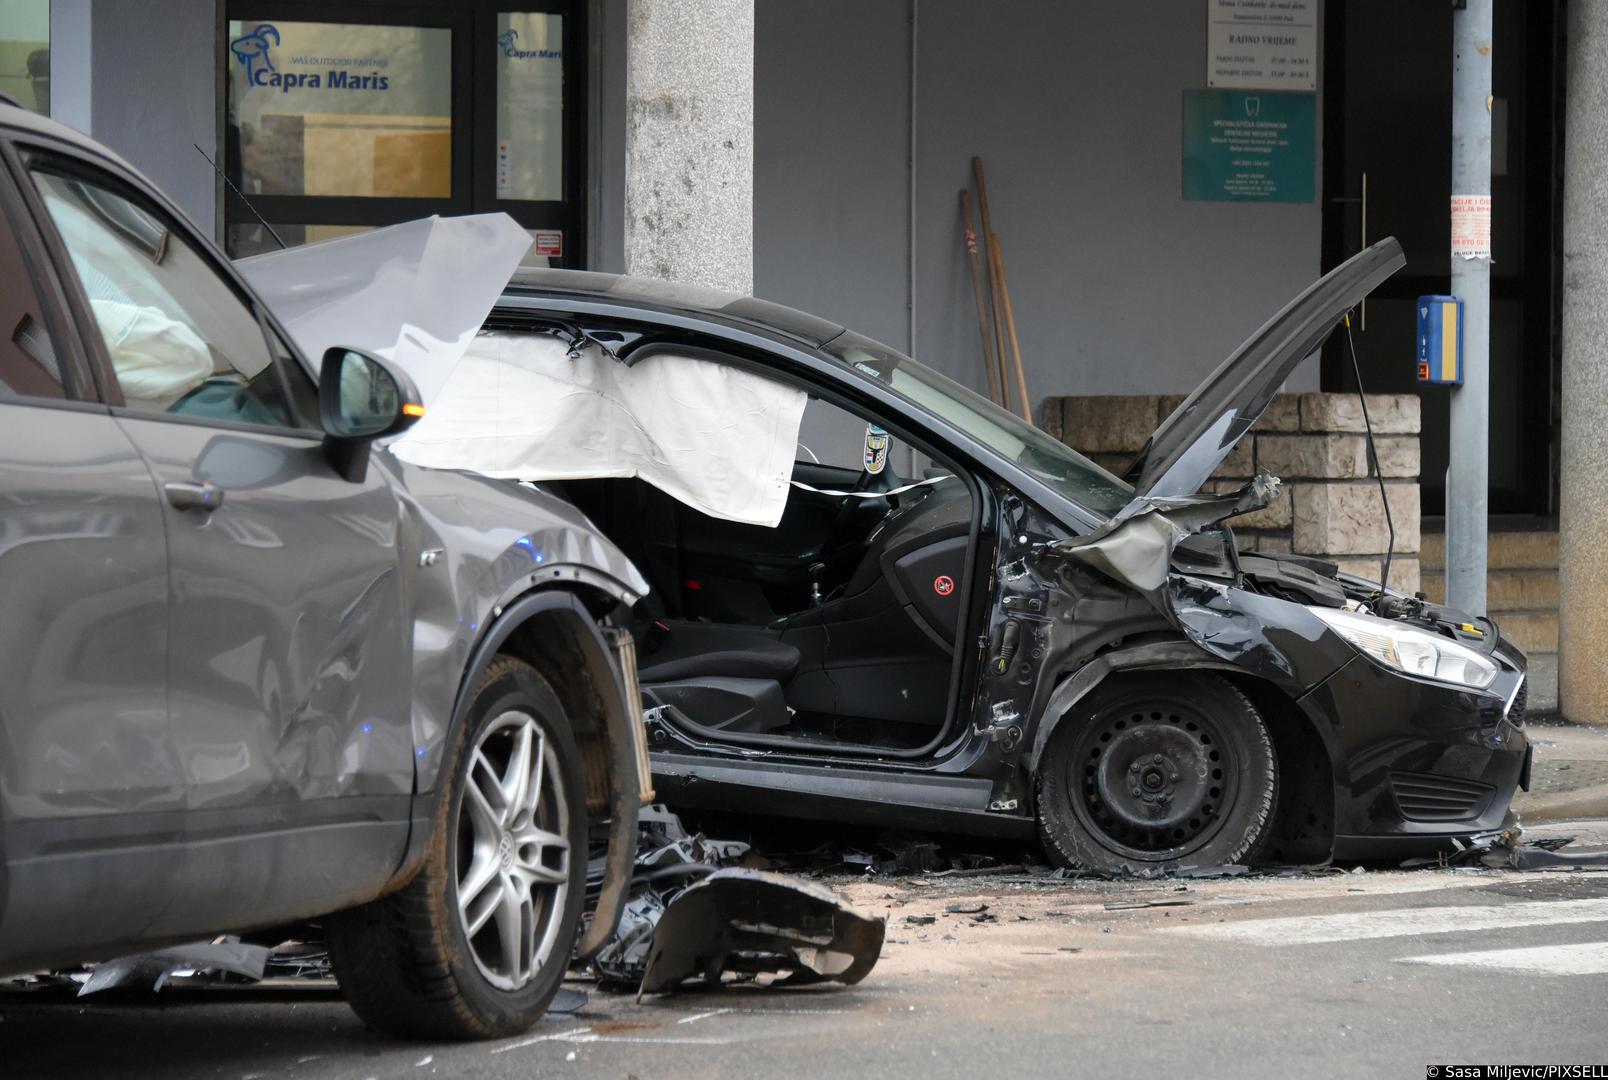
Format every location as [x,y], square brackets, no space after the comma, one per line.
[342,109]
[25,52]
[352,116]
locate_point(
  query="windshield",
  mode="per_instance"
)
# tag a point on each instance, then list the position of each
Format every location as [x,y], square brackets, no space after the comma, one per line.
[1048,460]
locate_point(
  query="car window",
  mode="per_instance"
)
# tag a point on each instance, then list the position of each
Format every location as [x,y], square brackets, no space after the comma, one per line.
[833,436]
[1049,460]
[29,364]
[180,340]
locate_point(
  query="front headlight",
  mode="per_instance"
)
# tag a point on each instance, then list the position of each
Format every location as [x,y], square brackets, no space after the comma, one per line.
[1408,650]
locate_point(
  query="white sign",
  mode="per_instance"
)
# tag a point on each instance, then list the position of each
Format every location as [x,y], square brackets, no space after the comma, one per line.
[1262,44]
[1471,226]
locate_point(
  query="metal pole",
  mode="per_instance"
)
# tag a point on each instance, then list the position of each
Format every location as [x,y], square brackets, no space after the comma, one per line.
[1467,501]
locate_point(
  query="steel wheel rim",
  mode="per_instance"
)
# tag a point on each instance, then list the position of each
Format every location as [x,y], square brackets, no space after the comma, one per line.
[1183,798]
[511,853]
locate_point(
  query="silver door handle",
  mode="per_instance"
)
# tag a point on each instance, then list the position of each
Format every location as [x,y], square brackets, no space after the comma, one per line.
[187,496]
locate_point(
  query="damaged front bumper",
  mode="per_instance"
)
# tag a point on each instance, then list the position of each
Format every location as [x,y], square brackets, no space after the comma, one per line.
[1426,763]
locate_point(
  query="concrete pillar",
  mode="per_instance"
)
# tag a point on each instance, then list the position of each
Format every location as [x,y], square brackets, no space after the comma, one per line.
[689,142]
[156,94]
[1583,510]
[72,63]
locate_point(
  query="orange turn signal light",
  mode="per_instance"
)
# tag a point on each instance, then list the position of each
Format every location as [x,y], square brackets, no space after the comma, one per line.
[411,409]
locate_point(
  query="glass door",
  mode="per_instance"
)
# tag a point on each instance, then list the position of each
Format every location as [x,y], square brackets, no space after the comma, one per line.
[1387,171]
[345,117]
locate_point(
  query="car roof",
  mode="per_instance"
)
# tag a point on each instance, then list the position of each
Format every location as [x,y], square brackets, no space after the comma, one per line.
[667,297]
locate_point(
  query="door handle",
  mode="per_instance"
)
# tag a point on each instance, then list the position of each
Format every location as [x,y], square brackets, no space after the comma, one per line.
[187,496]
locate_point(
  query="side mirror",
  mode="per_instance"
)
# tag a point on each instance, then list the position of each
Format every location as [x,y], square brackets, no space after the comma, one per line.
[361,398]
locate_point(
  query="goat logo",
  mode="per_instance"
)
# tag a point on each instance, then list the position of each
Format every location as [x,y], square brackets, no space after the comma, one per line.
[252,50]
[508,42]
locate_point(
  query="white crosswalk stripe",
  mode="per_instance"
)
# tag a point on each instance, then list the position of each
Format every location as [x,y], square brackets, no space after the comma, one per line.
[1583,958]
[1405,922]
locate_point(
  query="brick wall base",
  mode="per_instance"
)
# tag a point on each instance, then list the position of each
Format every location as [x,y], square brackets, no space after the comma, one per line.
[1329,505]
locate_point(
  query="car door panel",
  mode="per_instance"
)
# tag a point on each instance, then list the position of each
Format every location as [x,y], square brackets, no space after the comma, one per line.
[91,792]
[290,699]
[91,786]
[288,640]
[287,644]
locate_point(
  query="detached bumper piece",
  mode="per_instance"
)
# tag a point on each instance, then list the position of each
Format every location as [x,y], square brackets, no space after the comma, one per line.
[694,913]
[1506,850]
[750,923]
[151,971]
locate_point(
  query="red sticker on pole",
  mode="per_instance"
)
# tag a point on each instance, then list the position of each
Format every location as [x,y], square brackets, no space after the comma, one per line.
[1471,226]
[943,584]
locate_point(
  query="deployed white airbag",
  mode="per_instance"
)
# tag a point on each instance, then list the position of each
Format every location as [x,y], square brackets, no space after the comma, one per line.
[518,406]
[414,294]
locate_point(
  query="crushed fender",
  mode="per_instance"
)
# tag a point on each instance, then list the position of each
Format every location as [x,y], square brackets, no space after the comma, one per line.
[753,923]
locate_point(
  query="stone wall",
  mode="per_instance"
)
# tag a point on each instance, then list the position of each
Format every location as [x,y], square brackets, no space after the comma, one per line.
[1316,443]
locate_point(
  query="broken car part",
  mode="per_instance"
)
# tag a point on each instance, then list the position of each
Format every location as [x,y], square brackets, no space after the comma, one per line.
[752,922]
[749,923]
[151,971]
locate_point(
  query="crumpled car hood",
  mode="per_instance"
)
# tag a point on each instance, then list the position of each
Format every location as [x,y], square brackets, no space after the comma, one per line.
[1136,546]
[1186,449]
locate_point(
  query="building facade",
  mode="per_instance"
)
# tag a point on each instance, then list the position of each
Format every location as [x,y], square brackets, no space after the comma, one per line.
[1142,245]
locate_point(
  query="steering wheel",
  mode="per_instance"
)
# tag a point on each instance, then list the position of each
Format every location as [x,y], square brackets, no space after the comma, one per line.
[837,543]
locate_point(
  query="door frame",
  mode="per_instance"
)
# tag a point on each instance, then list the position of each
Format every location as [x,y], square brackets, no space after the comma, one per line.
[1539,290]
[474,134]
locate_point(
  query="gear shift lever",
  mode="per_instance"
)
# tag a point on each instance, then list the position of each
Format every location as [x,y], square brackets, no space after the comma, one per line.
[816,570]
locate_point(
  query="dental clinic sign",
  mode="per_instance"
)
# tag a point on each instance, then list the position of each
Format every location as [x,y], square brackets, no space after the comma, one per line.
[256,51]
[1255,147]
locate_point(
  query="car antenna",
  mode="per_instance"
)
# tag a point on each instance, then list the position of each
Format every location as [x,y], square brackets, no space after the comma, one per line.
[1373,455]
[224,176]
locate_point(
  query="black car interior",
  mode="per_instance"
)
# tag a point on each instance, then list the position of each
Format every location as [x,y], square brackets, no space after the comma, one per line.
[838,625]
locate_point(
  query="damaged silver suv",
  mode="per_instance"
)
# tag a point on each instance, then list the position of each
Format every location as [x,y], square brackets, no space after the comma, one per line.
[253,670]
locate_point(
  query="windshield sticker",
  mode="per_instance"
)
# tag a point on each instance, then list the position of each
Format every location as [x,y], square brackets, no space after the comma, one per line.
[876,449]
[868,369]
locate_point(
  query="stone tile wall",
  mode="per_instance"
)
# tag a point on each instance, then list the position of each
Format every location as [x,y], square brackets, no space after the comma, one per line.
[1329,505]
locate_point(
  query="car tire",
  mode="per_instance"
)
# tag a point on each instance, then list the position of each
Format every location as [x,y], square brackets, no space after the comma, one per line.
[432,961]
[1157,771]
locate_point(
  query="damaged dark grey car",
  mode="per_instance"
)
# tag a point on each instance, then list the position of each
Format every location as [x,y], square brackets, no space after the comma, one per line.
[958,622]
[255,670]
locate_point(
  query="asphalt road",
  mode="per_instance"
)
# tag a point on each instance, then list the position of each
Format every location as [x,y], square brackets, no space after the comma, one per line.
[1362,974]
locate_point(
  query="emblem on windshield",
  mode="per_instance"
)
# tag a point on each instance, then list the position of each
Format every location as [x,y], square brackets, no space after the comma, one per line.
[876,449]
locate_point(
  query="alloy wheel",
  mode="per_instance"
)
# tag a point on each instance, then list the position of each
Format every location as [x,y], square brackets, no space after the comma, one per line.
[513,853]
